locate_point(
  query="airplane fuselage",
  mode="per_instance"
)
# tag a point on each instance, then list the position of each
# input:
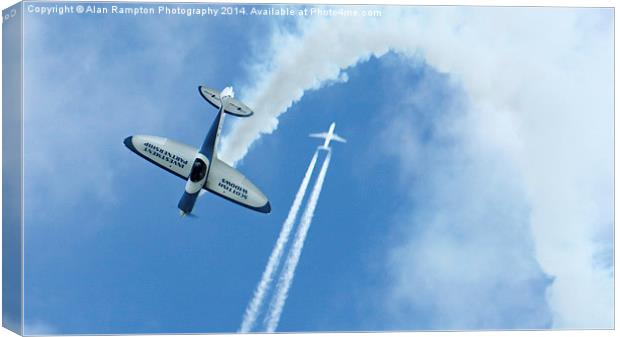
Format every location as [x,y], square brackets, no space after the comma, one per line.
[200,168]
[330,135]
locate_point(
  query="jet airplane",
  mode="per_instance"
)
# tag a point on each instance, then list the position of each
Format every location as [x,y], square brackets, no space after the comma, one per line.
[200,167]
[328,136]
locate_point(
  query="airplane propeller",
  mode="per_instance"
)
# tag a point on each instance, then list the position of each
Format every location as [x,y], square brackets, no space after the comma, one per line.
[189,215]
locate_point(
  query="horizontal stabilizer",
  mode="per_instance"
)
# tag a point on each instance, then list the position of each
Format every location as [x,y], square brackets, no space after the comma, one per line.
[233,106]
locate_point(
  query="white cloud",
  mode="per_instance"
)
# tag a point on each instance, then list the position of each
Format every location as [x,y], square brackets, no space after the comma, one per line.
[540,82]
[466,260]
[81,103]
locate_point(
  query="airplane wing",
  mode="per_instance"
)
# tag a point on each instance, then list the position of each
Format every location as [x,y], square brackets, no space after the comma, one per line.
[318,135]
[177,158]
[229,183]
[338,138]
[172,156]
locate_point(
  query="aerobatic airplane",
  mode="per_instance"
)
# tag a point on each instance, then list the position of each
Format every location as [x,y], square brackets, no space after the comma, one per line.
[328,136]
[200,167]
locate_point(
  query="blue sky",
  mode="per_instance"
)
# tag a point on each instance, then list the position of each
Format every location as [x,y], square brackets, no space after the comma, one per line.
[427,220]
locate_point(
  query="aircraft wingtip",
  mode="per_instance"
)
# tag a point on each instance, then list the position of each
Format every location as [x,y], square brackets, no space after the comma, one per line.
[266,208]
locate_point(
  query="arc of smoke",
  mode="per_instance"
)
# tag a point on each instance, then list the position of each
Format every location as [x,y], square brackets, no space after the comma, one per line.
[253,309]
[503,60]
[288,273]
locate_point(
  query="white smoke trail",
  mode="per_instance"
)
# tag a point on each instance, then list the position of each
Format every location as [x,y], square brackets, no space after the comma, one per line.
[557,95]
[253,309]
[288,273]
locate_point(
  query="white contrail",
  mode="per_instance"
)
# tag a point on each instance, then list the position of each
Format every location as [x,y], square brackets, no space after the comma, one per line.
[288,273]
[502,58]
[253,309]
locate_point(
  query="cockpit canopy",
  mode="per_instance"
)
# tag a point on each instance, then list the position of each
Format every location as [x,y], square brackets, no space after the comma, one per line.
[199,170]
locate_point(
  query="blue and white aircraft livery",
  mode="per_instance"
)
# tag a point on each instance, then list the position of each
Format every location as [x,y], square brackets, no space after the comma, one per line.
[201,167]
